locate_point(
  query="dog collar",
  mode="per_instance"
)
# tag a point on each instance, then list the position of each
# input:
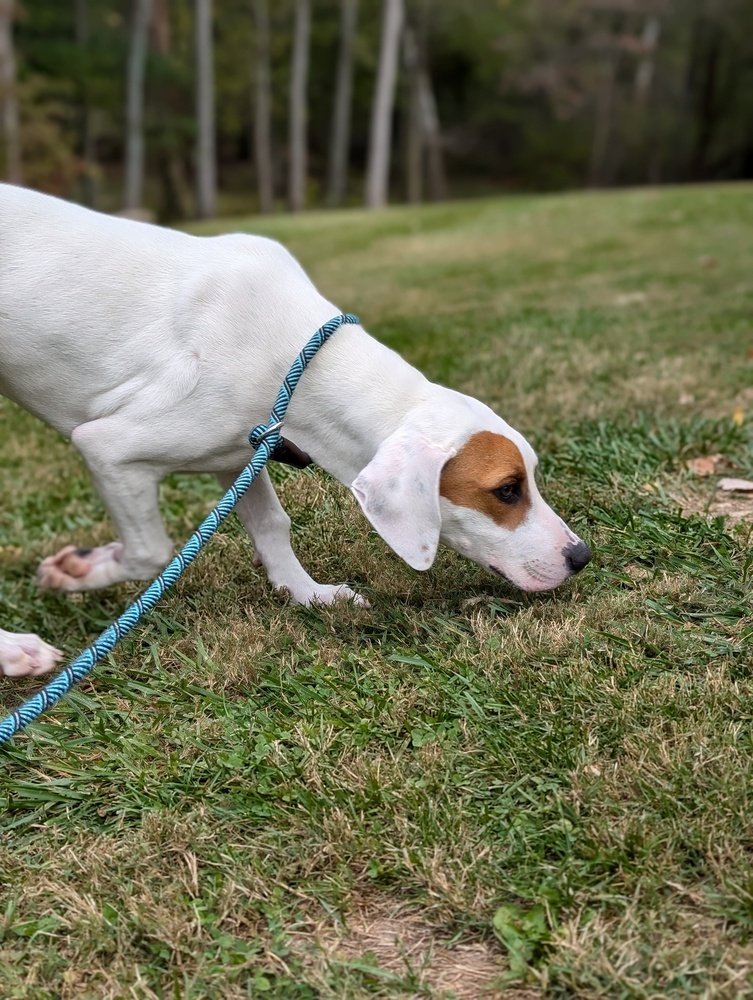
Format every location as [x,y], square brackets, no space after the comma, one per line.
[284,451]
[288,453]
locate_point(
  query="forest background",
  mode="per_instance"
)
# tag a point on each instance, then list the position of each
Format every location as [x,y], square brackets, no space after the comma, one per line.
[194,107]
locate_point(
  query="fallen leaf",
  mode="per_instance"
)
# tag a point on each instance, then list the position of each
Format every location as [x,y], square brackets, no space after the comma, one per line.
[738,416]
[705,465]
[736,485]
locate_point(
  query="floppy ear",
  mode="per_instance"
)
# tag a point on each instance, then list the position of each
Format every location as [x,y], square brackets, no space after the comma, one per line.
[399,493]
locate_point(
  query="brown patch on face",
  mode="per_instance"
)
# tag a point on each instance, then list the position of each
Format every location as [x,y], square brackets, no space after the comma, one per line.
[484,463]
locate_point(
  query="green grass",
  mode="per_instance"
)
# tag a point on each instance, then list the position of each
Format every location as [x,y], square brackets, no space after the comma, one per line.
[254,799]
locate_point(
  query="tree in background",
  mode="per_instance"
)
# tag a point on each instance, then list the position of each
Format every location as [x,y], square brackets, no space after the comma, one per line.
[719,74]
[340,137]
[170,125]
[380,137]
[424,150]
[9,96]
[414,140]
[298,159]
[596,61]
[432,136]
[644,73]
[134,160]
[88,144]
[206,147]
[530,94]
[263,109]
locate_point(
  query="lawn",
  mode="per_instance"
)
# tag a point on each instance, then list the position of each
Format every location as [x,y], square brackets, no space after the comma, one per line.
[463,784]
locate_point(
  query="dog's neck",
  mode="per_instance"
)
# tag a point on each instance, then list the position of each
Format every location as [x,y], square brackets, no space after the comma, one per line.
[355,394]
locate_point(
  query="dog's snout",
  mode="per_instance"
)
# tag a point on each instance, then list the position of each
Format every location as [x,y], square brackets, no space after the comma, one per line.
[577,556]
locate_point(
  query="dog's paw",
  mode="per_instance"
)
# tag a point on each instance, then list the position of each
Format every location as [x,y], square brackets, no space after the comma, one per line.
[26,655]
[322,593]
[74,569]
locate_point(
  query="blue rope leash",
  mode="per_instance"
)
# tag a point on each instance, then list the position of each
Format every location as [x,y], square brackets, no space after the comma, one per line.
[264,438]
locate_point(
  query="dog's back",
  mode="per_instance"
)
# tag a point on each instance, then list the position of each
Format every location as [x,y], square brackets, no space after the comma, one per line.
[92,306]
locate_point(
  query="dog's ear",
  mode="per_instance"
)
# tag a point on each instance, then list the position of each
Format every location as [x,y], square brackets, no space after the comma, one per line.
[399,493]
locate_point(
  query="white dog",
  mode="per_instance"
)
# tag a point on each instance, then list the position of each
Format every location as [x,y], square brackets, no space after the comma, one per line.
[156,352]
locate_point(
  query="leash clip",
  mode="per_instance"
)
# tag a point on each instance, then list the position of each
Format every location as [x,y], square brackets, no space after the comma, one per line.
[261,433]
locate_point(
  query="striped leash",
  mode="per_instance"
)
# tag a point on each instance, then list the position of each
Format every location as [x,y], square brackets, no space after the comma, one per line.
[264,439]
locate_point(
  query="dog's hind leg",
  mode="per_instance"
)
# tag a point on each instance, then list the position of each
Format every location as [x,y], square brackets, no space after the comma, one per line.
[25,655]
[263,517]
[128,485]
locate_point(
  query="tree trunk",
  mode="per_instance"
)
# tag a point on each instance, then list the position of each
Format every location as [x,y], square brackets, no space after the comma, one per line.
[380,140]
[414,145]
[206,150]
[134,172]
[710,95]
[432,137]
[424,141]
[161,27]
[175,195]
[88,147]
[263,115]
[298,85]
[340,141]
[11,130]
[645,71]
[603,124]
[644,76]
[427,108]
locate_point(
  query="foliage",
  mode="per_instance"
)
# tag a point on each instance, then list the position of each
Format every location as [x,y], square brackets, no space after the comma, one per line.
[528,91]
[49,160]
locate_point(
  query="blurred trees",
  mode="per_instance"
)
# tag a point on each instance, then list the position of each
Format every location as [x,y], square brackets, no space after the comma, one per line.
[341,115]
[299,106]
[485,95]
[87,150]
[380,138]
[263,109]
[638,90]
[134,153]
[9,95]
[206,143]
[423,142]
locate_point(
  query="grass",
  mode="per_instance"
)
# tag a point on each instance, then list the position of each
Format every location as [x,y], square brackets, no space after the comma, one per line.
[463,782]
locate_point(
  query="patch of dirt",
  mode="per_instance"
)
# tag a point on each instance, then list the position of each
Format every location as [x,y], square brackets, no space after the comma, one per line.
[736,507]
[378,933]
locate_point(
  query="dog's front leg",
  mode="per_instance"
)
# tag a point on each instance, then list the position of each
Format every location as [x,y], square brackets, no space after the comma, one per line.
[261,514]
[129,488]
[25,655]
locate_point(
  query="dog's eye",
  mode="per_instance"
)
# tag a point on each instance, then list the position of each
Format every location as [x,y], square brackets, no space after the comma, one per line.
[507,492]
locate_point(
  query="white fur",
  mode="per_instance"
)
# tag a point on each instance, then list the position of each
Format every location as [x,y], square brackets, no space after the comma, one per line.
[155,352]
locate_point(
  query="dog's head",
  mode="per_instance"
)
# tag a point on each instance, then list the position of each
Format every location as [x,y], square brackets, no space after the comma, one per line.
[464,477]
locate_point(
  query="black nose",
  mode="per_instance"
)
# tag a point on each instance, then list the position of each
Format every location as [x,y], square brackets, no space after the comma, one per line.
[577,556]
